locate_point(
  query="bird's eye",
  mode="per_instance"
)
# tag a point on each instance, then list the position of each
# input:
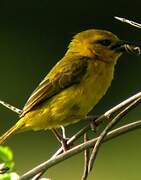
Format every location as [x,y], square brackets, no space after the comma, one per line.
[105,42]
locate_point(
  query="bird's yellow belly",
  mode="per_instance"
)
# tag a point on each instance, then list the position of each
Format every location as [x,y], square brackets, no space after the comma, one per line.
[71,104]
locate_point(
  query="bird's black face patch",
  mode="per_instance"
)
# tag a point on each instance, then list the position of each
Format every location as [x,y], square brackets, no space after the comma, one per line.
[104,42]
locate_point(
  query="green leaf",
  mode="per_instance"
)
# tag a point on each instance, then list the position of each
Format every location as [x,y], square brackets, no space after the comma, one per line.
[5,154]
[6,157]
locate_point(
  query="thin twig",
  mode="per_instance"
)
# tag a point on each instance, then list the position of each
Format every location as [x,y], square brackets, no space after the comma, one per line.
[12,108]
[74,137]
[108,114]
[121,105]
[107,128]
[49,163]
[71,140]
[37,176]
[69,143]
[86,159]
[124,20]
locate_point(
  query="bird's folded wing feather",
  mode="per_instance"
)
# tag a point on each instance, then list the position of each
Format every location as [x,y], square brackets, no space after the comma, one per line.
[63,75]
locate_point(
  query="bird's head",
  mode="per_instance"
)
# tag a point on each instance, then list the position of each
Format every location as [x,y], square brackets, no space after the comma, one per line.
[101,45]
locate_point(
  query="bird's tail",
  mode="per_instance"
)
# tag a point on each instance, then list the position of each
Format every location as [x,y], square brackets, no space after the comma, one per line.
[13,130]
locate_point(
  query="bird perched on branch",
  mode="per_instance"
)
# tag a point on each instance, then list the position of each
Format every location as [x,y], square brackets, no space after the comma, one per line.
[75,84]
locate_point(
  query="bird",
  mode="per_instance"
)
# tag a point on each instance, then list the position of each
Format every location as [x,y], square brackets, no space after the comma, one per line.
[75,84]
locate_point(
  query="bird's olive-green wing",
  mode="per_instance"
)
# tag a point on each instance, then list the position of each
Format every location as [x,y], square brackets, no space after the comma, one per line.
[67,75]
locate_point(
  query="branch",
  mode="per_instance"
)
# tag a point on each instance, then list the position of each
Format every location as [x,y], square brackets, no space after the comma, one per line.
[48,164]
[132,23]
[12,108]
[124,103]
[114,121]
[86,160]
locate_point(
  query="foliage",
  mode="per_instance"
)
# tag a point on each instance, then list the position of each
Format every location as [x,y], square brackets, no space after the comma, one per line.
[7,164]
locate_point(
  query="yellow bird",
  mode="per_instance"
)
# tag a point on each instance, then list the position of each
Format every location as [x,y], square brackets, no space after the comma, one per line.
[75,84]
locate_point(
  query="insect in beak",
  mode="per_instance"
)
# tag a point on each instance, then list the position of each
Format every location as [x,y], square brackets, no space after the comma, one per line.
[125,46]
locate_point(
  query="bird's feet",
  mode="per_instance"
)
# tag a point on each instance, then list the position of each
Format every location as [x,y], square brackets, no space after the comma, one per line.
[92,121]
[61,138]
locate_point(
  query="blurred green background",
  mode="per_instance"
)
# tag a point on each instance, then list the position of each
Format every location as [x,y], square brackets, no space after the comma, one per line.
[33,36]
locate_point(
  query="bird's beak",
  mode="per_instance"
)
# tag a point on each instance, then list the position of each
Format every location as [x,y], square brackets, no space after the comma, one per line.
[125,46]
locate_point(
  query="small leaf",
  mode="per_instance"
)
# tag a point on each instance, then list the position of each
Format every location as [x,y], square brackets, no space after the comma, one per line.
[6,158]
[6,154]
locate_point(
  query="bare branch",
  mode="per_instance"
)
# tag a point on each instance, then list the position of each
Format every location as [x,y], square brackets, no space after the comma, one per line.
[12,108]
[124,103]
[71,140]
[107,128]
[49,163]
[124,20]
[86,159]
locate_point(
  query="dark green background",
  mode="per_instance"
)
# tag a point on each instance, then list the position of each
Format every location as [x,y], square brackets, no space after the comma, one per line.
[33,36]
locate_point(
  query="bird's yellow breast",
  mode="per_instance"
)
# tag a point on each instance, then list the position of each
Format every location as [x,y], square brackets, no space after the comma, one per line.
[74,102]
[95,84]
